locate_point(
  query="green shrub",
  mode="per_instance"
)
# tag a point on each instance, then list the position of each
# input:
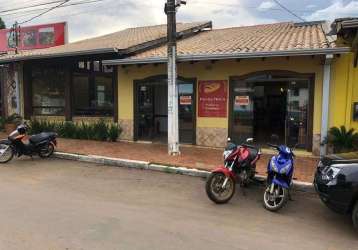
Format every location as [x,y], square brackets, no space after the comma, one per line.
[85,131]
[343,140]
[100,130]
[114,132]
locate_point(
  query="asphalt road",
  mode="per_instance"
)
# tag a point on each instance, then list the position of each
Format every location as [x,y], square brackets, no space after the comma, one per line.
[58,204]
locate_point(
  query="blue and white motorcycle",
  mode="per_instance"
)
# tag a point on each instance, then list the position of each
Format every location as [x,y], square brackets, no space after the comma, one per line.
[279,178]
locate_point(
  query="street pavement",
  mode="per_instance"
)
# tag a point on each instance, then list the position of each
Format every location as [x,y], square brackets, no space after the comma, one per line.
[59,204]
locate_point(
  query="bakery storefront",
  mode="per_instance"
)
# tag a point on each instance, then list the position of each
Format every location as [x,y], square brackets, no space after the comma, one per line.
[272,102]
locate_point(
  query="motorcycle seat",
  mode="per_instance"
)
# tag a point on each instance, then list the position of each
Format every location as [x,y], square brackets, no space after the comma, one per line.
[35,139]
[253,153]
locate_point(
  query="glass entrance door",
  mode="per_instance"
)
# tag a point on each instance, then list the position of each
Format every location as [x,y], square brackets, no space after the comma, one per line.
[297,113]
[242,111]
[145,112]
[151,113]
[186,112]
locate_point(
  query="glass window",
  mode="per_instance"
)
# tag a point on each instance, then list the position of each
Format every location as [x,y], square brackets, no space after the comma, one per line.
[104,94]
[48,91]
[93,92]
[81,100]
[96,66]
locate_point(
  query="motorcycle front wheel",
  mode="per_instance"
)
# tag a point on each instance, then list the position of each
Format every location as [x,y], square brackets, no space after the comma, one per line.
[275,200]
[215,190]
[6,153]
[47,150]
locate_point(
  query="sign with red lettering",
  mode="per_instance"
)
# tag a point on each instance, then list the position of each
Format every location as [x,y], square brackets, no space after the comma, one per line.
[185,100]
[212,98]
[242,100]
[34,37]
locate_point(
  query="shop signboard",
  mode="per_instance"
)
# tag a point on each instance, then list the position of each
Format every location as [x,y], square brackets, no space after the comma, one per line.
[212,98]
[185,100]
[34,37]
[242,100]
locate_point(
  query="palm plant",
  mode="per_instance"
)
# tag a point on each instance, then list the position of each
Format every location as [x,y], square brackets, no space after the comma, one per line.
[343,140]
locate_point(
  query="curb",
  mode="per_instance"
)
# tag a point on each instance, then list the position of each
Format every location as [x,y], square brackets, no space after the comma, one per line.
[117,162]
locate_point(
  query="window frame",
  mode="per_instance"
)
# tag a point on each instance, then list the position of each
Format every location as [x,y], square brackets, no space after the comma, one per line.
[92,74]
[33,106]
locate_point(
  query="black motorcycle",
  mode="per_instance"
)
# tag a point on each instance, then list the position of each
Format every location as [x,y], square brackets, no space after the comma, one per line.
[42,144]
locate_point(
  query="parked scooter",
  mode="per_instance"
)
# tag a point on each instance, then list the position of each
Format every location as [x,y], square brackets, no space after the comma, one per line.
[42,144]
[240,167]
[279,178]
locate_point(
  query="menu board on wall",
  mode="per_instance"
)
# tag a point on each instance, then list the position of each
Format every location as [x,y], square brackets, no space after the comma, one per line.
[212,98]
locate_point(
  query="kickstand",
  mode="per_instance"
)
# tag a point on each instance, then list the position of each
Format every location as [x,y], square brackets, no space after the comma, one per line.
[243,190]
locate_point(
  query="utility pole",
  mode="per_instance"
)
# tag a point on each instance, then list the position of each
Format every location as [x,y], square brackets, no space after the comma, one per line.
[173,109]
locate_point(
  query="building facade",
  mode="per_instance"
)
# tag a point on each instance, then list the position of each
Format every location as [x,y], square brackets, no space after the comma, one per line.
[287,79]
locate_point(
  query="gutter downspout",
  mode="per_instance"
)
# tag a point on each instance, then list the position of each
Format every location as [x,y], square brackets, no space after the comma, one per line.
[325,102]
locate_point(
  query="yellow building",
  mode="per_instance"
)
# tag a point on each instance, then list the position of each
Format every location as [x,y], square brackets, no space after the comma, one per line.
[290,79]
[276,77]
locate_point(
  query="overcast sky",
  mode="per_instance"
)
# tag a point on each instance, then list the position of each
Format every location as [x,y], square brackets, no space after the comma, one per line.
[107,16]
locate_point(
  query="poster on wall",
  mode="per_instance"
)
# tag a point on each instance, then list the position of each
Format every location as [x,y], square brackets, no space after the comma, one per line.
[212,98]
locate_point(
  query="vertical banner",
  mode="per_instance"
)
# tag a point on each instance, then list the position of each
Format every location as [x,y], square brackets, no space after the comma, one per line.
[212,98]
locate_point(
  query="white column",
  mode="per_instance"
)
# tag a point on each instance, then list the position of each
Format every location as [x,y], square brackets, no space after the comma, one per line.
[325,102]
[173,114]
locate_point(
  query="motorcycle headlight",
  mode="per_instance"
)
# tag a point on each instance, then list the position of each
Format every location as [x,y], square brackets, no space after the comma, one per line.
[227,153]
[274,166]
[330,173]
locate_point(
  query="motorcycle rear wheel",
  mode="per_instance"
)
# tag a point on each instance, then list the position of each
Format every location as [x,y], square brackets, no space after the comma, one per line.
[215,191]
[277,200]
[47,150]
[6,153]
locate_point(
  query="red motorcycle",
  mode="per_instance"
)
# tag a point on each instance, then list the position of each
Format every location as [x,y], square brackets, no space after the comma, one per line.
[240,167]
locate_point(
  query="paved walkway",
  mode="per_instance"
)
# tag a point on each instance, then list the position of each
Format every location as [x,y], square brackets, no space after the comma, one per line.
[191,157]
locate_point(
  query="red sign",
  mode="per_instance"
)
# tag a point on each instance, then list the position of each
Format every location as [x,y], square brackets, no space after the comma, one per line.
[185,100]
[212,98]
[242,100]
[34,37]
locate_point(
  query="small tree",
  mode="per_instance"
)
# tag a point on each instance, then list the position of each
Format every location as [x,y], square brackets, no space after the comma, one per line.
[2,24]
[343,140]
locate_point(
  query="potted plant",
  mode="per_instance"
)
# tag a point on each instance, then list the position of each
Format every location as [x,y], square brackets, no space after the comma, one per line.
[342,140]
[11,122]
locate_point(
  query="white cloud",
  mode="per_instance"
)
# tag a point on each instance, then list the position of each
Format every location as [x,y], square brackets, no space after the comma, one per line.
[266,5]
[311,6]
[335,10]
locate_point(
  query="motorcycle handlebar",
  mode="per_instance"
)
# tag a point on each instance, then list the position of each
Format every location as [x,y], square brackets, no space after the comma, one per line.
[249,146]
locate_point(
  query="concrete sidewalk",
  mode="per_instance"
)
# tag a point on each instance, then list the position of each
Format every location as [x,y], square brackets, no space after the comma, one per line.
[191,157]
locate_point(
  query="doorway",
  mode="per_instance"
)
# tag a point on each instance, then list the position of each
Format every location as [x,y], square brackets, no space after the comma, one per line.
[151,110]
[272,103]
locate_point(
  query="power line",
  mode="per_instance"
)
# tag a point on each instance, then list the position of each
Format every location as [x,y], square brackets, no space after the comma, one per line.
[289,11]
[41,9]
[247,7]
[30,6]
[43,13]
